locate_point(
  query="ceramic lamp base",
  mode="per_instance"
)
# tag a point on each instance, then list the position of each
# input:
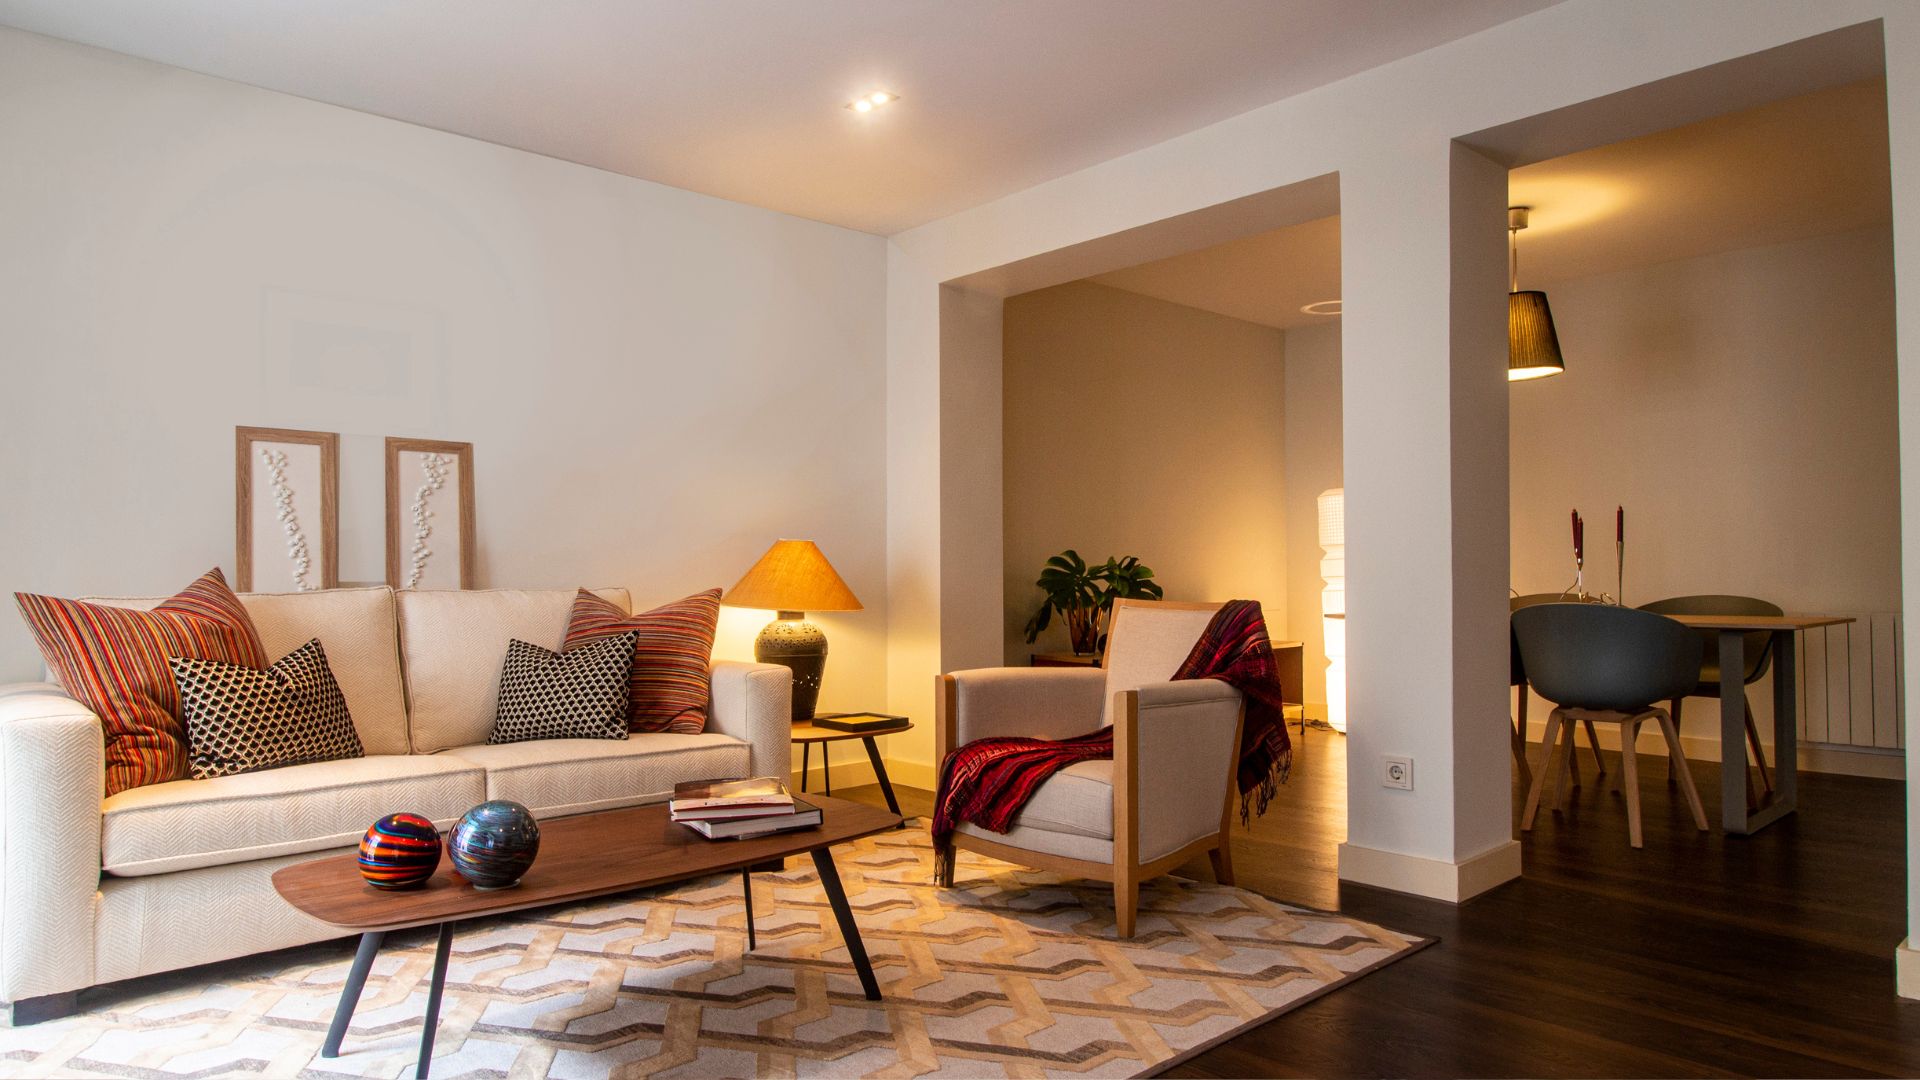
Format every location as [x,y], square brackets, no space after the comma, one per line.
[793,642]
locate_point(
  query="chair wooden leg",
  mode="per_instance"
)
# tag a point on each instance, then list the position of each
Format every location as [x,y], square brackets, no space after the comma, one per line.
[1549,768]
[1759,755]
[1519,741]
[1222,857]
[1676,763]
[1563,796]
[1630,778]
[1672,732]
[1593,747]
[1126,901]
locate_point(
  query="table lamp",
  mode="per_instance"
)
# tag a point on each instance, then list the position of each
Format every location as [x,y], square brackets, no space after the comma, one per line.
[793,578]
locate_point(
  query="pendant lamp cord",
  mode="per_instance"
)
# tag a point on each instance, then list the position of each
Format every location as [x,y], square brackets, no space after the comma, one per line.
[1513,259]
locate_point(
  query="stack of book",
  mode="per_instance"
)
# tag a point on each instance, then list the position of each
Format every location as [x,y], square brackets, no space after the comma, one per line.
[736,809]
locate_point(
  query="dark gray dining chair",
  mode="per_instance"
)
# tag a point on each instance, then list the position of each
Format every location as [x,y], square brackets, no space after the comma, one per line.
[1758,655]
[1518,679]
[1607,664]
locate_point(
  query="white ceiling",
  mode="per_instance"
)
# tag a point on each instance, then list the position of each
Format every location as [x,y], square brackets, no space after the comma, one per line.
[744,99]
[1801,167]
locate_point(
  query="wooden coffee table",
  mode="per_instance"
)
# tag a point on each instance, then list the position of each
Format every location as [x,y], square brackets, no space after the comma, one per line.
[580,857]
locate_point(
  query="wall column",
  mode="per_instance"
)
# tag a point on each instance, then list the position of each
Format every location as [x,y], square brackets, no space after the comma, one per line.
[1425,435]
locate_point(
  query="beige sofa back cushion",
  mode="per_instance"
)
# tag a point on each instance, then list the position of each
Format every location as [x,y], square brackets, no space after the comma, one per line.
[455,642]
[356,627]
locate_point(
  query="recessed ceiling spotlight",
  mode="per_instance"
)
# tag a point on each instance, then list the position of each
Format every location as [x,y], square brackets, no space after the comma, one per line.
[1321,307]
[869,102]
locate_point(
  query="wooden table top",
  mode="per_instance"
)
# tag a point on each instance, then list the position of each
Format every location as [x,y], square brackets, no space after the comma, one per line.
[1760,622]
[807,732]
[580,857]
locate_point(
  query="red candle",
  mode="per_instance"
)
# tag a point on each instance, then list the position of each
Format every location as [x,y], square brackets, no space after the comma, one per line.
[1576,533]
[1619,524]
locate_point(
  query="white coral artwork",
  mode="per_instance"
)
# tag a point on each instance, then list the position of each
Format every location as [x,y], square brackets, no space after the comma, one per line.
[297,555]
[435,468]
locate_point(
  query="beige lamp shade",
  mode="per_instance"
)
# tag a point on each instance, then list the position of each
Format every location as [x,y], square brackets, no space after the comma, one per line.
[792,576]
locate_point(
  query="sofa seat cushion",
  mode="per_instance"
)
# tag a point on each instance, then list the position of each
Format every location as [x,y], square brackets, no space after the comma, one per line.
[188,824]
[557,777]
[1078,800]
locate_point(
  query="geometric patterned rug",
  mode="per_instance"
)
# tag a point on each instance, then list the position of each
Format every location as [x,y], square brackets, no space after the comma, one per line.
[1013,972]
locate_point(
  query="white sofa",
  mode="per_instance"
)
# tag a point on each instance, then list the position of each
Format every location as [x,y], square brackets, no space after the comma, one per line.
[95,890]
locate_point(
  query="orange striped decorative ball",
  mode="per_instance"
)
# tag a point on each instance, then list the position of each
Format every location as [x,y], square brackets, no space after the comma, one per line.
[400,851]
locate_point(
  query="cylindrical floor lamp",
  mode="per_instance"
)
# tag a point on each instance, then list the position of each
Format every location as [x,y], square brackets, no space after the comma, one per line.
[793,578]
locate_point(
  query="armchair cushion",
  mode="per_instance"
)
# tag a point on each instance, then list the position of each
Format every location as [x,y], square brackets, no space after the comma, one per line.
[1078,799]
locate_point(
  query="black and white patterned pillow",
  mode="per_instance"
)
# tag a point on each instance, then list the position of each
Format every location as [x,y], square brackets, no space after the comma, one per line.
[577,694]
[240,719]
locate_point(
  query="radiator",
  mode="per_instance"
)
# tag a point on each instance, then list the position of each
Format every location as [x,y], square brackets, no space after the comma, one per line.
[1852,693]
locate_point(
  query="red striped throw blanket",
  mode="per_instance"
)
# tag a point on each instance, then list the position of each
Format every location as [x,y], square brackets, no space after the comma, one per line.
[989,781]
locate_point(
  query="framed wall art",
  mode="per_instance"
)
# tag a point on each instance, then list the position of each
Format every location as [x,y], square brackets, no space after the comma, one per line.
[429,514]
[286,510]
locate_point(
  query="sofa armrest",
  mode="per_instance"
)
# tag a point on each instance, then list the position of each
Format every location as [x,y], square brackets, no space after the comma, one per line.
[52,772]
[1184,752]
[754,702]
[1034,703]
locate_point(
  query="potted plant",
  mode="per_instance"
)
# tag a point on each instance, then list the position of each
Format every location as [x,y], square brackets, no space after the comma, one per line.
[1083,595]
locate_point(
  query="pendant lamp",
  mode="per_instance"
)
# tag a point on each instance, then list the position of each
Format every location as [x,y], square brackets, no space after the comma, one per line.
[1533,349]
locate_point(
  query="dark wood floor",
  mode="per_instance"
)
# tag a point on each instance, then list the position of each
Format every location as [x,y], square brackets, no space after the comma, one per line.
[1700,955]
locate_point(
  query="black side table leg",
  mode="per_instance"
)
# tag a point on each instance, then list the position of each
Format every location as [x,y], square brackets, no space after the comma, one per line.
[350,993]
[434,990]
[806,752]
[843,914]
[826,768]
[746,890]
[880,774]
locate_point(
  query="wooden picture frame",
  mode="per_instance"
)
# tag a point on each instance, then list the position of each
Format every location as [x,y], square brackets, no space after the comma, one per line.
[411,482]
[290,492]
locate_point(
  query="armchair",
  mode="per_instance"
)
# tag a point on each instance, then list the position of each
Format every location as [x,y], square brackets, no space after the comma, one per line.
[1165,797]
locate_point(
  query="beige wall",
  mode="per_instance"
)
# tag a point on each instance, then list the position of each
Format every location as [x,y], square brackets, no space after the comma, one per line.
[1312,466]
[1741,406]
[657,384]
[1111,395]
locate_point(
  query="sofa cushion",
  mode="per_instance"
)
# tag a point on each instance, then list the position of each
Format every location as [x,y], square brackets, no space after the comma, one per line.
[113,659]
[356,627]
[557,777]
[230,819]
[241,720]
[673,645]
[455,642]
[577,694]
[1078,799]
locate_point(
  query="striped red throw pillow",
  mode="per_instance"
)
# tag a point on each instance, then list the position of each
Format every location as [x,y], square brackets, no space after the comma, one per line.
[669,680]
[114,661]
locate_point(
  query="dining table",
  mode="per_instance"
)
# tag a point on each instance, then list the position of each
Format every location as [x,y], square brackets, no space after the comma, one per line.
[1731,631]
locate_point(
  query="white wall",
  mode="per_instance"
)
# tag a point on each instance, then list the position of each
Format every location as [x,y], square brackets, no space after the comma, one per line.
[1741,406]
[657,384]
[1312,466]
[1135,426]
[1385,133]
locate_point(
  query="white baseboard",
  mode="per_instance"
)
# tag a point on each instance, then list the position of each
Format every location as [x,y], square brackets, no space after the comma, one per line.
[1434,878]
[1820,758]
[1906,970]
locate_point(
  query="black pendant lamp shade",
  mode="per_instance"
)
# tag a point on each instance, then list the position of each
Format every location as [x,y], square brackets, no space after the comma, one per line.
[1533,349]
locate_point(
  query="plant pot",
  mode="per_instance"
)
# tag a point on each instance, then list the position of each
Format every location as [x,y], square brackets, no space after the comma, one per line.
[1083,630]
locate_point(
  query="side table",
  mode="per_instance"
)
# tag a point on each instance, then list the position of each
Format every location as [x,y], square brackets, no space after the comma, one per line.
[807,734]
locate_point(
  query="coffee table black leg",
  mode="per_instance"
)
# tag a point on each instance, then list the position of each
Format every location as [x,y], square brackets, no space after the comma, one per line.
[843,914]
[439,984]
[880,774]
[746,890]
[350,993]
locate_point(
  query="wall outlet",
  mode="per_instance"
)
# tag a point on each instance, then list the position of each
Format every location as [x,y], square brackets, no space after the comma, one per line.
[1398,773]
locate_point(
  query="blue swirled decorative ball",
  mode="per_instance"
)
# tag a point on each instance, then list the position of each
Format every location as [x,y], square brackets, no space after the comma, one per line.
[400,851]
[494,843]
